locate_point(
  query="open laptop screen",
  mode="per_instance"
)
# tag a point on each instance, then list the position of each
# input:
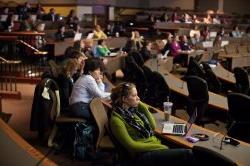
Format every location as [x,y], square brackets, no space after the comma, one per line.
[191,121]
[78,36]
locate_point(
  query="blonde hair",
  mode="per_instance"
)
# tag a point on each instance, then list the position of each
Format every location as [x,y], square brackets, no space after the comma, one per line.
[71,65]
[120,91]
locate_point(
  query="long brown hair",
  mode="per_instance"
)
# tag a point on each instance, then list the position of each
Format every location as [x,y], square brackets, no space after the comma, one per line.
[70,66]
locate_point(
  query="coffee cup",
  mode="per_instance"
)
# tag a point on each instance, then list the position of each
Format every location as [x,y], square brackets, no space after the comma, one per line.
[167,110]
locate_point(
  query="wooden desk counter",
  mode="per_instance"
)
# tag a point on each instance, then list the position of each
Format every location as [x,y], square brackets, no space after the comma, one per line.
[58,48]
[179,86]
[237,61]
[114,63]
[224,74]
[239,154]
[16,151]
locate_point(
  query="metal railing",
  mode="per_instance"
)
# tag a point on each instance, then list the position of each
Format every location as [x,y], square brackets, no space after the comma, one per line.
[8,83]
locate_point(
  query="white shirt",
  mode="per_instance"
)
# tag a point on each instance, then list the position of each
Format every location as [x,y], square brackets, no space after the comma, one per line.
[85,89]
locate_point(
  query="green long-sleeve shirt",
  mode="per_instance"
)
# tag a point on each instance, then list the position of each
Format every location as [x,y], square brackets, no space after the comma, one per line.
[102,51]
[128,136]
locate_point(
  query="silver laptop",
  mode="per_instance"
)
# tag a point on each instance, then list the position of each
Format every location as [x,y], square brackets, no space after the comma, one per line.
[179,128]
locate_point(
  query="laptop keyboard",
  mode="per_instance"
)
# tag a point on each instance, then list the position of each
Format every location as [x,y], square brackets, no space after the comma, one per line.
[178,128]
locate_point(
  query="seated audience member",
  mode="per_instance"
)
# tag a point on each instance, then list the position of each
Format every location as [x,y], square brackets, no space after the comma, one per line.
[5,11]
[195,19]
[151,18]
[72,19]
[109,29]
[88,49]
[195,30]
[134,43]
[40,41]
[217,41]
[195,40]
[175,49]
[24,11]
[75,29]
[118,28]
[132,125]
[102,49]
[187,18]
[98,33]
[88,86]
[216,20]
[247,34]
[164,17]
[222,32]
[65,82]
[9,23]
[236,32]
[60,34]
[39,10]
[205,34]
[80,63]
[51,16]
[26,24]
[146,50]
[184,43]
[138,40]
[208,19]
[79,46]
[174,17]
[167,45]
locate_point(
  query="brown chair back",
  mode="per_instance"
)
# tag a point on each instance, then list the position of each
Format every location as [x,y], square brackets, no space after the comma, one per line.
[100,115]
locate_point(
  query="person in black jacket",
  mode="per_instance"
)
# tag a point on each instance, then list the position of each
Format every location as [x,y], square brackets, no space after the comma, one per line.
[145,51]
[65,82]
[60,34]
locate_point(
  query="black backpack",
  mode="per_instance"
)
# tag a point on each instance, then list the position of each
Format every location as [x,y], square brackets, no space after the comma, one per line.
[84,140]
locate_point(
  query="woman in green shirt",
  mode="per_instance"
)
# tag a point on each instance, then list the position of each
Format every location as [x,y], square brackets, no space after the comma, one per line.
[133,127]
[102,49]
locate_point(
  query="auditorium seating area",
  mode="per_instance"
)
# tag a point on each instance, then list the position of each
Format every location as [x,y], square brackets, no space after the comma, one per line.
[166,52]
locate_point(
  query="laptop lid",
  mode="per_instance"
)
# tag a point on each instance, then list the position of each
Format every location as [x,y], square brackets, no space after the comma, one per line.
[191,121]
[90,36]
[224,43]
[213,34]
[207,44]
[16,17]
[78,36]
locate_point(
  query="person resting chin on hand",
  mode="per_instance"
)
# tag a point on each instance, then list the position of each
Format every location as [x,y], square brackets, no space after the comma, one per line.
[87,87]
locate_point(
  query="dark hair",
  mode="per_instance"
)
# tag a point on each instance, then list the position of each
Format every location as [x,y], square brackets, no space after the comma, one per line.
[235,26]
[99,42]
[91,65]
[77,45]
[145,43]
[60,27]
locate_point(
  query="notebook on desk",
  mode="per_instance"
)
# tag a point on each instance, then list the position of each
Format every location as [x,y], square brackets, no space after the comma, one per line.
[179,128]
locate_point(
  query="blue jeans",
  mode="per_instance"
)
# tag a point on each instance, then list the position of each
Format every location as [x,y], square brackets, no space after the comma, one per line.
[81,110]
